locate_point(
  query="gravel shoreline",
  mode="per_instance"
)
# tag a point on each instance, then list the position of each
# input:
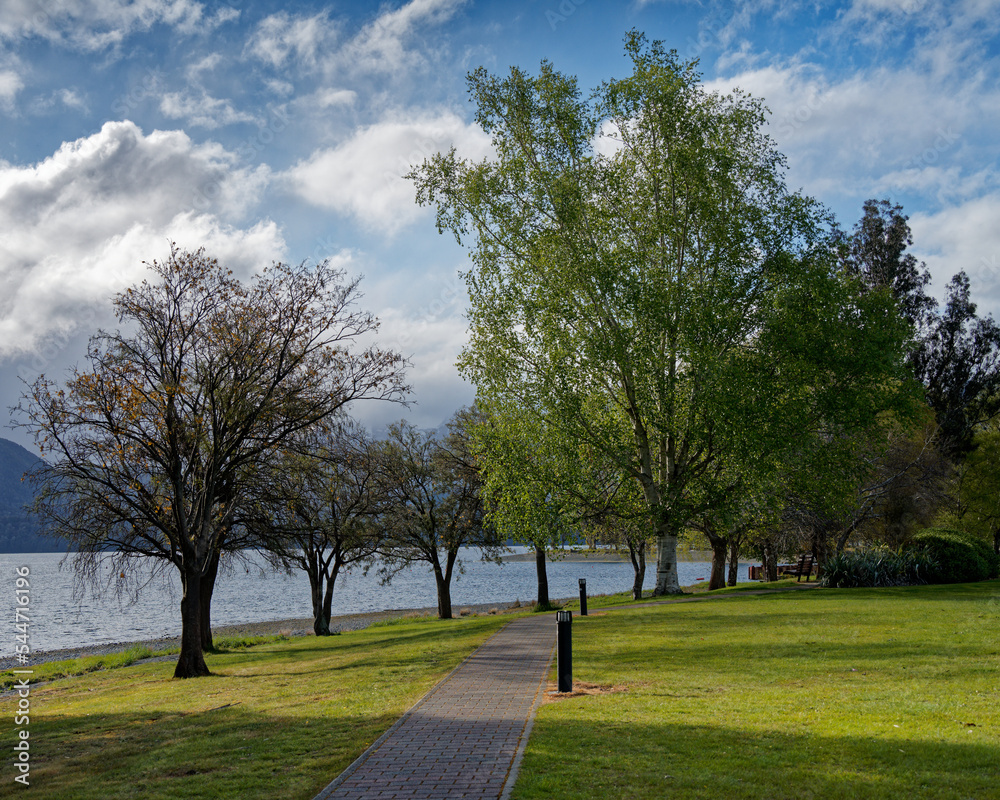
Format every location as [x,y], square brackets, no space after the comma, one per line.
[287,627]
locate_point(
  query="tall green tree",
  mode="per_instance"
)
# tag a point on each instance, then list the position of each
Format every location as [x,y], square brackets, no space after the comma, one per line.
[529,487]
[150,448]
[954,352]
[636,247]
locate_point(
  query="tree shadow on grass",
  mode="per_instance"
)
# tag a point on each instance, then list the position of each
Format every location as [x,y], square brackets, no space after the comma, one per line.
[224,752]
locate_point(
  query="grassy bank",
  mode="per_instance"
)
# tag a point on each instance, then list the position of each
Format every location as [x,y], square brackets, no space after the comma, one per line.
[276,720]
[891,693]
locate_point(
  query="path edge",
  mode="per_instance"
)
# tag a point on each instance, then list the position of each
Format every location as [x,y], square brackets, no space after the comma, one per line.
[331,787]
[522,745]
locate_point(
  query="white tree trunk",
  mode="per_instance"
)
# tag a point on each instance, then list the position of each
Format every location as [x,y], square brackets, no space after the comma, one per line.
[666,565]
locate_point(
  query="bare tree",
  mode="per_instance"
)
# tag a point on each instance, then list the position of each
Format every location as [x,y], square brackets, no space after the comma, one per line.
[150,447]
[436,508]
[320,511]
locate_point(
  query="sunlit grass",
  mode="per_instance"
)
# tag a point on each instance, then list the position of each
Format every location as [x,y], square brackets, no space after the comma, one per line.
[275,720]
[890,693]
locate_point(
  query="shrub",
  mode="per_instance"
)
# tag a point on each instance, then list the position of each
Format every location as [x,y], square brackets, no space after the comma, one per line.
[878,566]
[986,553]
[957,558]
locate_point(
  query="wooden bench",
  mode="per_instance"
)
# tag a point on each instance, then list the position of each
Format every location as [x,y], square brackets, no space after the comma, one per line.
[804,566]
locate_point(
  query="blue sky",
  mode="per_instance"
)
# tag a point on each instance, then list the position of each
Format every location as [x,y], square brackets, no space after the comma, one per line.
[280,131]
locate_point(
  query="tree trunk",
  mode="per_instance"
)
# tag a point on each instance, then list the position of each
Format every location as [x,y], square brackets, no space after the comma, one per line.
[770,562]
[321,625]
[327,610]
[543,578]
[191,662]
[205,600]
[734,560]
[638,556]
[666,563]
[443,593]
[720,547]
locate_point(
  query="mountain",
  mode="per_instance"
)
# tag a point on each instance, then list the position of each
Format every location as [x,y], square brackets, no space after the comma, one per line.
[18,530]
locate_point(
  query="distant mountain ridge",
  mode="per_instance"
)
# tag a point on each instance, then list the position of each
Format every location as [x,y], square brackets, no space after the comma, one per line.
[18,530]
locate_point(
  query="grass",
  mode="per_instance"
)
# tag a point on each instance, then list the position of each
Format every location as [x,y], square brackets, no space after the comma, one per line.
[887,693]
[275,720]
[70,668]
[697,589]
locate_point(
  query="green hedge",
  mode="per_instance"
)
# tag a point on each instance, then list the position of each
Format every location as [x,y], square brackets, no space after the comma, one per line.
[959,558]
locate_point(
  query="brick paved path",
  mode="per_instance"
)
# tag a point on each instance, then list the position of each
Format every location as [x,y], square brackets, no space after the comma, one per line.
[465,737]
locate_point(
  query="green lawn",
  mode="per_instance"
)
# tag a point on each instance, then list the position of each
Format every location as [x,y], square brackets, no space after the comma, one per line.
[278,720]
[891,693]
[822,693]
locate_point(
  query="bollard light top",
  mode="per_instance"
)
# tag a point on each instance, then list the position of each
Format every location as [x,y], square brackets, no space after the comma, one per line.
[564,616]
[583,583]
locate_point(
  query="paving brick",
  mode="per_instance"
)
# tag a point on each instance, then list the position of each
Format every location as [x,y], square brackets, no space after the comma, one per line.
[463,738]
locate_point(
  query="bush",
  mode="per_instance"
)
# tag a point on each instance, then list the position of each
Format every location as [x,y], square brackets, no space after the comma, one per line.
[878,566]
[958,559]
[986,553]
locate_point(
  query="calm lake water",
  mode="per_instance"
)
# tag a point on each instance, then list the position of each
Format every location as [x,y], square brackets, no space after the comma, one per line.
[59,619]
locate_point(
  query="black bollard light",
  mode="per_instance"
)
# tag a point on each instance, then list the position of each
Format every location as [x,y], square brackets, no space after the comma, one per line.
[564,650]
[583,597]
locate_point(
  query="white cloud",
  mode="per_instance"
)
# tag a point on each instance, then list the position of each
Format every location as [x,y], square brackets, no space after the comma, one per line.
[202,111]
[78,225]
[69,98]
[842,136]
[328,98]
[966,237]
[383,46]
[10,84]
[363,176]
[422,317]
[95,25]
[950,35]
[282,36]
[206,64]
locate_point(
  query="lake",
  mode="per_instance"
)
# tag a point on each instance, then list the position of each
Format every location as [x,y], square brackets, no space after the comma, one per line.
[59,619]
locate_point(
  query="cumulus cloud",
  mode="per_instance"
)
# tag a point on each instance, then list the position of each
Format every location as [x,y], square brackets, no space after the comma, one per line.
[363,176]
[422,317]
[78,225]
